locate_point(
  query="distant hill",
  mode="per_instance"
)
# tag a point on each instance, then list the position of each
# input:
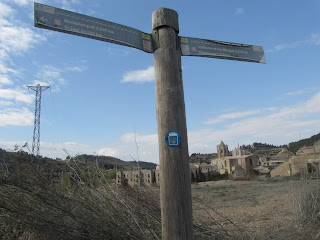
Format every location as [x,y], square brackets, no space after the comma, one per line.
[109,162]
[295,146]
[202,158]
[12,159]
[263,149]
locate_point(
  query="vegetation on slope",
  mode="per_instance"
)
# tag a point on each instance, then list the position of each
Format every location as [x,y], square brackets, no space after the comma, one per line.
[74,200]
[295,146]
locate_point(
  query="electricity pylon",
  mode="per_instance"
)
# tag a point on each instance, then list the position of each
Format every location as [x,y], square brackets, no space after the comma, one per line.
[36,130]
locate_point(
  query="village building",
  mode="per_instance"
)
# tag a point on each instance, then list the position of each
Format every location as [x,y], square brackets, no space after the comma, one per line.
[207,168]
[238,164]
[203,167]
[269,162]
[136,177]
[193,168]
[310,149]
[222,150]
[305,163]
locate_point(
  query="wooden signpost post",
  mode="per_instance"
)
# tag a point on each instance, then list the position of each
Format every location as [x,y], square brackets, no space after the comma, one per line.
[168,47]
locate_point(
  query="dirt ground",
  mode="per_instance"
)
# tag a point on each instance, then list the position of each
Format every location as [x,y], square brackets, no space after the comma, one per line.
[261,208]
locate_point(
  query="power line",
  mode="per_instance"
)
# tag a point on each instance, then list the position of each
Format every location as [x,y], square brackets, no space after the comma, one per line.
[36,130]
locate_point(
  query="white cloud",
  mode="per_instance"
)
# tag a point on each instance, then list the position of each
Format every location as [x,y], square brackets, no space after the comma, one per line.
[125,148]
[66,4]
[14,40]
[6,103]
[5,70]
[5,11]
[116,51]
[52,149]
[110,151]
[233,115]
[313,39]
[150,139]
[283,46]
[139,76]
[5,80]
[16,117]
[17,95]
[49,72]
[272,125]
[53,75]
[18,39]
[279,126]
[22,2]
[76,68]
[61,150]
[294,93]
[239,11]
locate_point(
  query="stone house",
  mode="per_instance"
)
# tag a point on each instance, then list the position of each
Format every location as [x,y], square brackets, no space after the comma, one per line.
[203,167]
[136,178]
[304,165]
[236,165]
[272,161]
[193,168]
[246,163]
[315,149]
[206,168]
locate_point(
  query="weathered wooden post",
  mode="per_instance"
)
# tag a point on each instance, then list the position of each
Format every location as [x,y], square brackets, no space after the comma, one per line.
[167,46]
[175,182]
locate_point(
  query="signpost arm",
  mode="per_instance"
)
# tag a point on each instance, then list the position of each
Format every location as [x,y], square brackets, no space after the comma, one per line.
[175,182]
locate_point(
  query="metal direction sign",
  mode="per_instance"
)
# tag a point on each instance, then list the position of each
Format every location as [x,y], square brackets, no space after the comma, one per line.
[78,24]
[225,50]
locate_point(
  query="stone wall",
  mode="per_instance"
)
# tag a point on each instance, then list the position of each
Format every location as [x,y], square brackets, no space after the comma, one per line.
[136,178]
[298,165]
[317,146]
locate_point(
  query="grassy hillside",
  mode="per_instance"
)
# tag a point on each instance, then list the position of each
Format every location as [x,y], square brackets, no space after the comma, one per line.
[109,162]
[295,146]
[75,200]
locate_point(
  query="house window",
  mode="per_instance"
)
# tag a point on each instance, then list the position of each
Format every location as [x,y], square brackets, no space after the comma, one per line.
[309,167]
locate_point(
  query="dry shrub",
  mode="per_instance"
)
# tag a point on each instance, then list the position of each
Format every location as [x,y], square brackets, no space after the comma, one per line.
[306,202]
[83,206]
[210,224]
[82,203]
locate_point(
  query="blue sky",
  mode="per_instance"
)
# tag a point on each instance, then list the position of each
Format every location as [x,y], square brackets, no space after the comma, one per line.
[103,93]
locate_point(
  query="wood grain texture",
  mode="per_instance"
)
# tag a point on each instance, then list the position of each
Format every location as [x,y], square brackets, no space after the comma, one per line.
[175,182]
[165,17]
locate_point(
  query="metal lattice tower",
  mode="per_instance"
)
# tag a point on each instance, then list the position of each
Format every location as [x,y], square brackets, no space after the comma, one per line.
[36,131]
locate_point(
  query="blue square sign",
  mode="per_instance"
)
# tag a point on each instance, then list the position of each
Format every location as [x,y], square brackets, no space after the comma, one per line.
[173,138]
